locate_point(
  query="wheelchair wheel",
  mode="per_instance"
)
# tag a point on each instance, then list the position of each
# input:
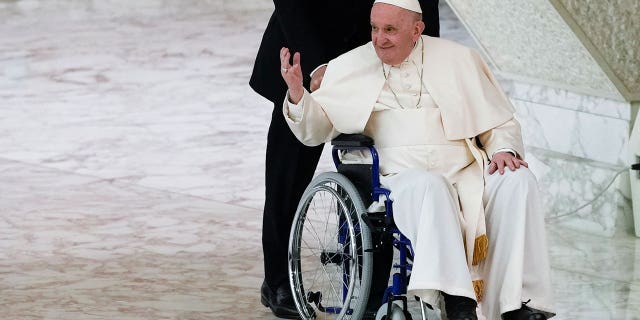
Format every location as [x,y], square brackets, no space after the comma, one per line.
[329,269]
[396,313]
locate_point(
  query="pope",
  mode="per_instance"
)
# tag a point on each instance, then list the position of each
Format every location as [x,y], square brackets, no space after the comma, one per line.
[452,155]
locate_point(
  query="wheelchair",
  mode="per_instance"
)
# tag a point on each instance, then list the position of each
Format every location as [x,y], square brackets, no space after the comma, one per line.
[330,245]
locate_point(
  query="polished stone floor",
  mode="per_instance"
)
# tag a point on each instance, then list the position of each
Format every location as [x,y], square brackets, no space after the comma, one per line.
[131,169]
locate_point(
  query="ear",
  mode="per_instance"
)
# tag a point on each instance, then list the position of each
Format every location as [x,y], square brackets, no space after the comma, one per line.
[418,29]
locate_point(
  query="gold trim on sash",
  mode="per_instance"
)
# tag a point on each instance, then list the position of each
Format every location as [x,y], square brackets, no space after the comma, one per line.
[478,287]
[480,249]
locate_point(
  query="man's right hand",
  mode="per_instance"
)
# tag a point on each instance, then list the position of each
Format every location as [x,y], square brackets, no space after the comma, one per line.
[292,74]
[316,78]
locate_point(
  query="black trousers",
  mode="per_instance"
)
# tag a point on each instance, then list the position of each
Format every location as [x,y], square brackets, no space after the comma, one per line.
[290,166]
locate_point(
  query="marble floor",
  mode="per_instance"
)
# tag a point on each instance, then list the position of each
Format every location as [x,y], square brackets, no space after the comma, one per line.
[131,169]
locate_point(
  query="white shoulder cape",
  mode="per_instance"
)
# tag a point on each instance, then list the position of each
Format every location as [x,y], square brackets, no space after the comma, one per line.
[470,99]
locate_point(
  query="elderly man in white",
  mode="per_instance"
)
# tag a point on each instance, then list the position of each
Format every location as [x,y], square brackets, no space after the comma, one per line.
[436,113]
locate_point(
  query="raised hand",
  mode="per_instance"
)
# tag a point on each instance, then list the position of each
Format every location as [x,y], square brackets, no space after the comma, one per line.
[292,74]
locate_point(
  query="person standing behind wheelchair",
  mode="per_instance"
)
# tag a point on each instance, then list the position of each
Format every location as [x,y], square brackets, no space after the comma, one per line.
[321,30]
[436,113]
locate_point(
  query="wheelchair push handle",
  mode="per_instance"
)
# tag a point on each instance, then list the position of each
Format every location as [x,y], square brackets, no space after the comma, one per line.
[346,142]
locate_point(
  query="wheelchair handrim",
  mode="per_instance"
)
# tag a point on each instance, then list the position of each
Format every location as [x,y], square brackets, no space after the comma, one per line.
[296,235]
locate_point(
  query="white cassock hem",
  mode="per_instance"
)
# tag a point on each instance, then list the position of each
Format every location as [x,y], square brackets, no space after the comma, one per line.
[516,268]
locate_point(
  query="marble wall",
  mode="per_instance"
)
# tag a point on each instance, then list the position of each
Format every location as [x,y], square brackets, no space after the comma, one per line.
[571,105]
[610,30]
[577,147]
[529,40]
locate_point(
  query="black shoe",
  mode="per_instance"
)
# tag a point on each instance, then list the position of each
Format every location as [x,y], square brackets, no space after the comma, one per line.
[524,313]
[279,301]
[459,307]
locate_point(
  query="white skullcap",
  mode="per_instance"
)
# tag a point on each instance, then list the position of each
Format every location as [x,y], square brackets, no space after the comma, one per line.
[412,5]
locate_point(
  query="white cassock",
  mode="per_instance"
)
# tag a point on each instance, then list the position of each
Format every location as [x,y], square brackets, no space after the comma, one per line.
[425,210]
[437,183]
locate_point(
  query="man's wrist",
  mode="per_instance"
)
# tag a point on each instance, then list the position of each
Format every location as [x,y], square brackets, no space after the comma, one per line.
[295,96]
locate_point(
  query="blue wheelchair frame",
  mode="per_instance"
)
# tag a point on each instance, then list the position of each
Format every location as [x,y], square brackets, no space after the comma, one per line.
[398,289]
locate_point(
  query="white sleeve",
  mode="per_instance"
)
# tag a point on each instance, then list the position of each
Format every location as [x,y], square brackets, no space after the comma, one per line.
[308,121]
[513,152]
[295,111]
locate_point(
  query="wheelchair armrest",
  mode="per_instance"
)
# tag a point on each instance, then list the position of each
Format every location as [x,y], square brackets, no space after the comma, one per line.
[352,140]
[364,176]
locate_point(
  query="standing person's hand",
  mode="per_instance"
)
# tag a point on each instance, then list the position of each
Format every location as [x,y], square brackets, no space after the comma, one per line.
[292,74]
[316,78]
